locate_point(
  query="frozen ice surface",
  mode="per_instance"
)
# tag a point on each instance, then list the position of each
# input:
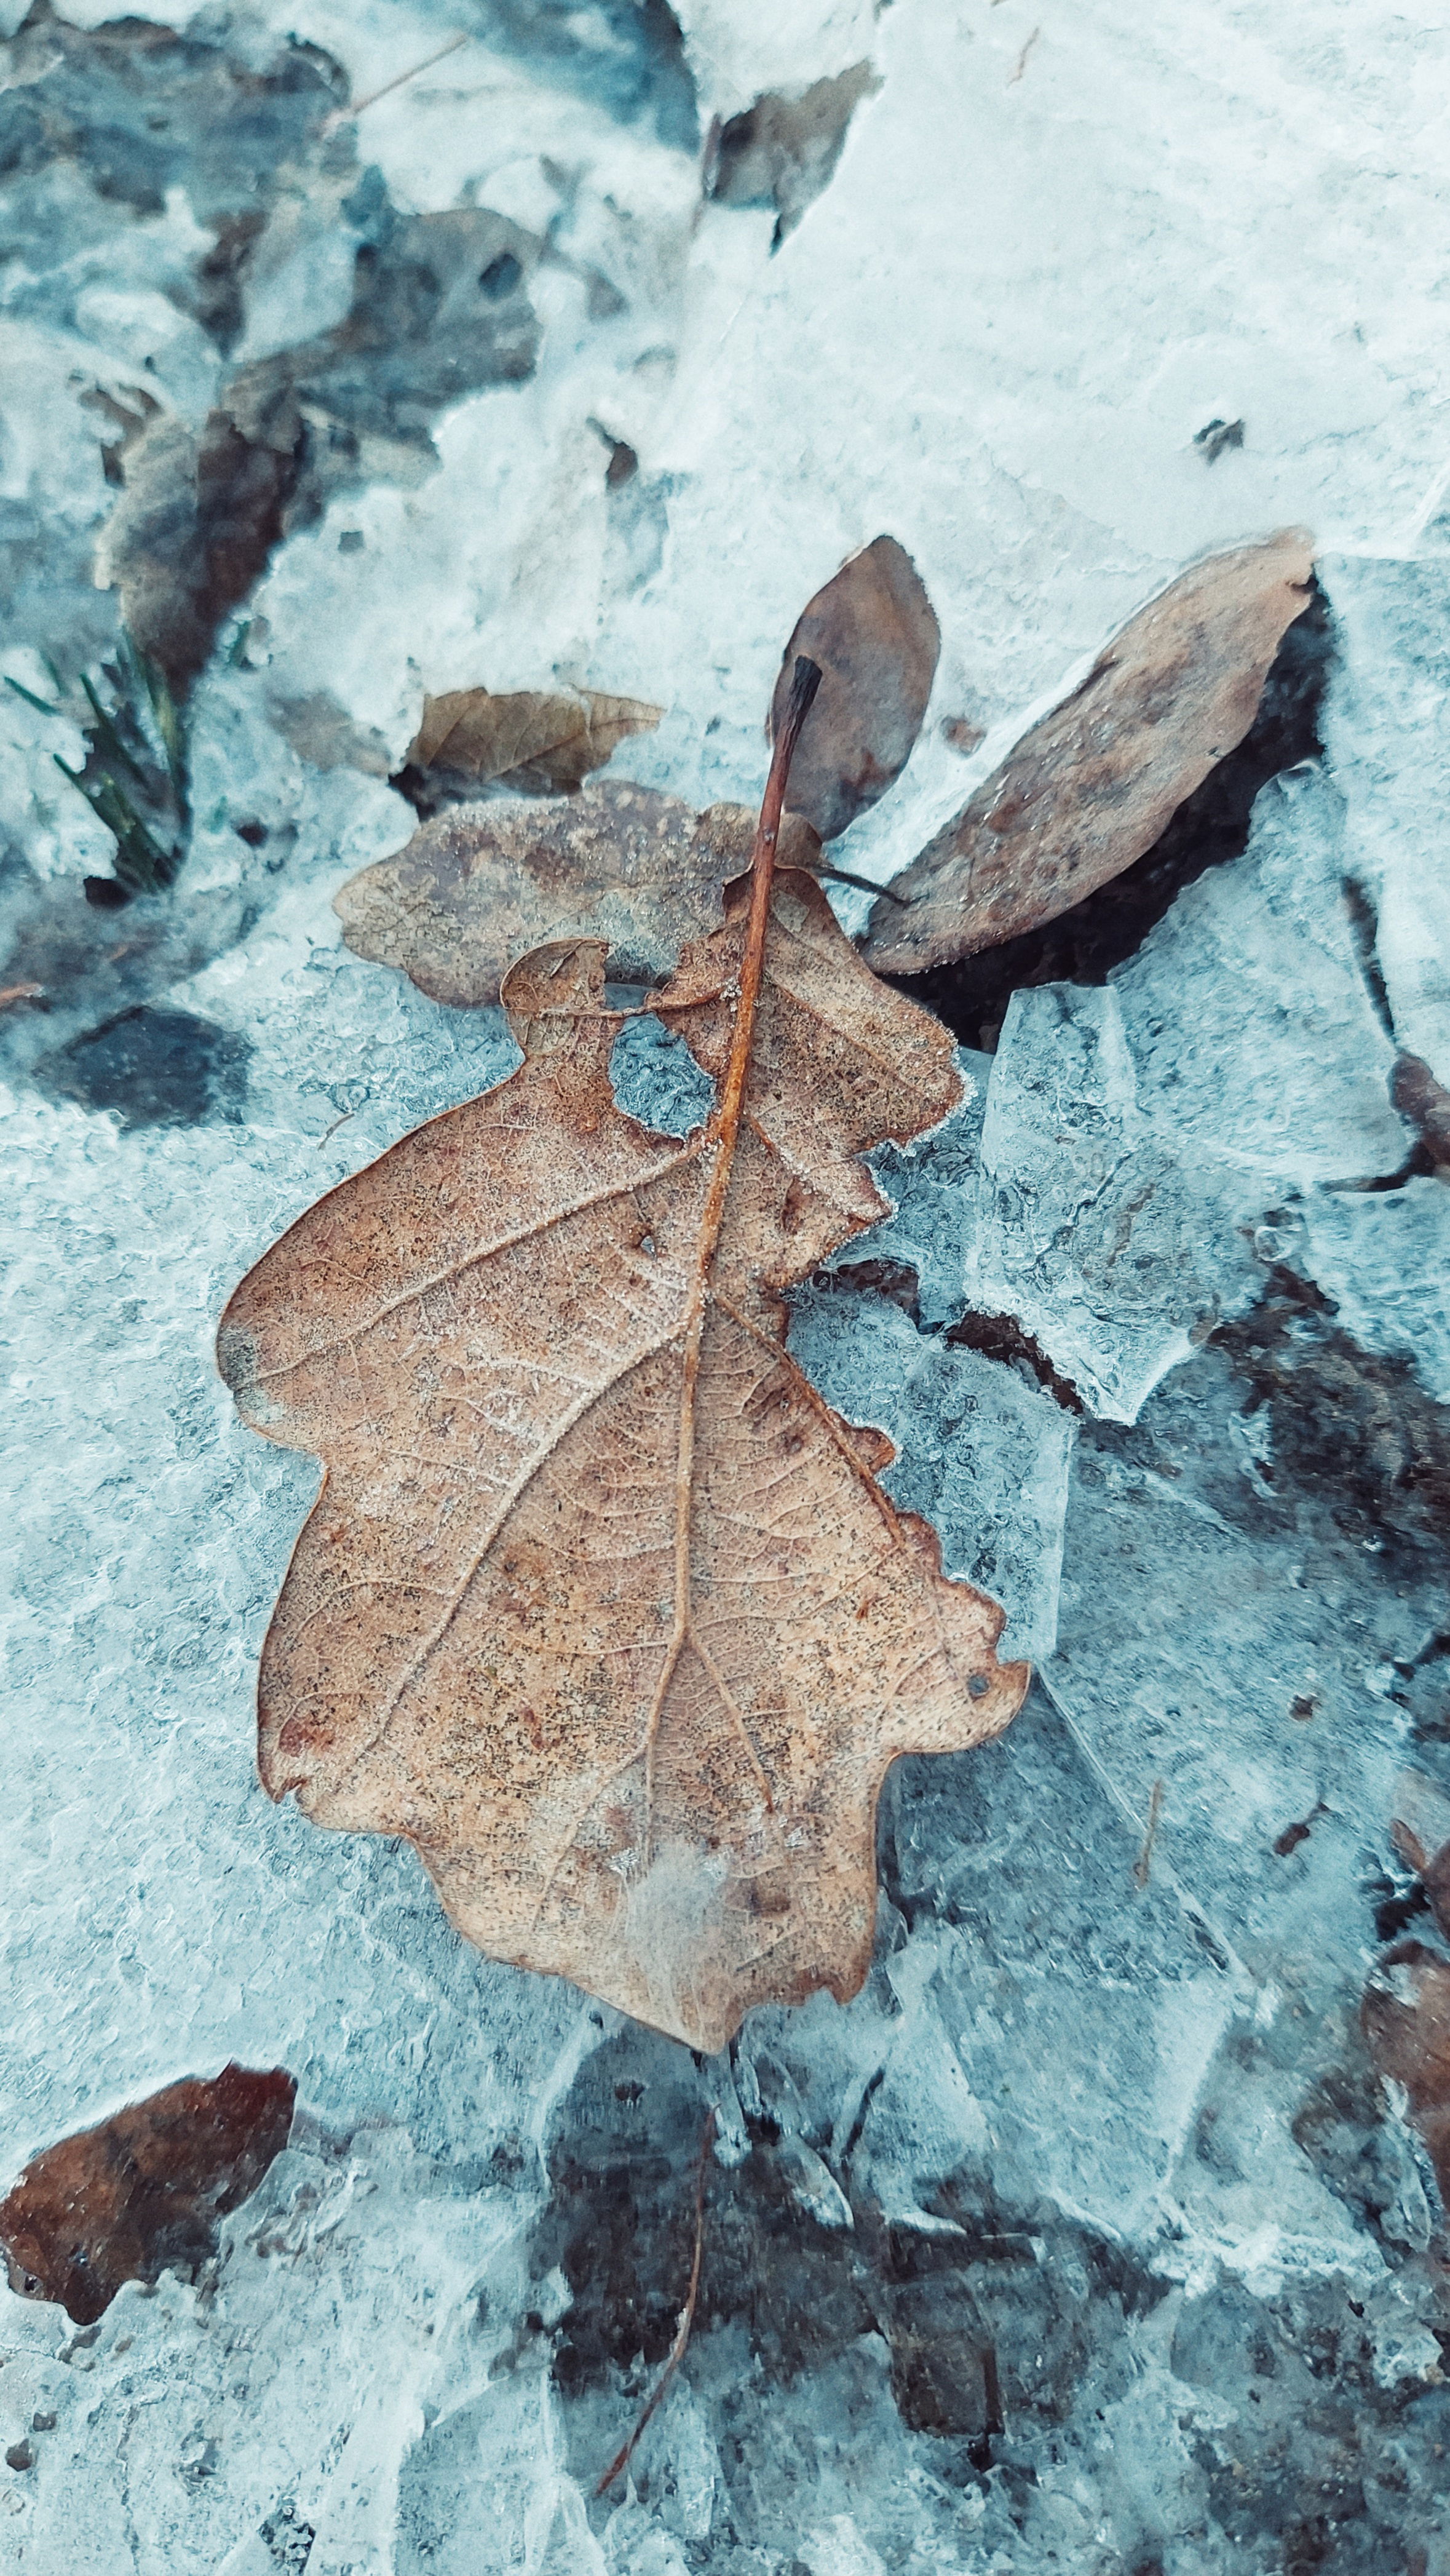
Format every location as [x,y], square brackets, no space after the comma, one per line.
[1136,1134]
[1248,1015]
[1387,734]
[655,1078]
[1274,1753]
[981,1455]
[933,1186]
[1084,2237]
[1384,1258]
[1088,1227]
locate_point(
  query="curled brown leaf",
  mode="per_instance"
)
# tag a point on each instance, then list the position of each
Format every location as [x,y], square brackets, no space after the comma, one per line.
[1406,2017]
[1421,1099]
[873,633]
[1088,789]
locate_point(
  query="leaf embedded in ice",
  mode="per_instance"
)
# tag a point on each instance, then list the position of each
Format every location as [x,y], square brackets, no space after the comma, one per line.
[480,885]
[1406,2016]
[544,741]
[1088,789]
[1426,1104]
[142,2193]
[1432,1868]
[601,1606]
[783,150]
[873,632]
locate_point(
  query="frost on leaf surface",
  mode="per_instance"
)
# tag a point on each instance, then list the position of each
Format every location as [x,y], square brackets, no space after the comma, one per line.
[479,885]
[601,1605]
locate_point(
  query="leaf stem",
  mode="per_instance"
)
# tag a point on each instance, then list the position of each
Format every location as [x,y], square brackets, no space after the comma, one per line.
[621,2460]
[806,681]
[722,1135]
[867,885]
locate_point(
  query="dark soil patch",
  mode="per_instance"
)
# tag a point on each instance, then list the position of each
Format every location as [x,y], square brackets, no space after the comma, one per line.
[154,1068]
[1352,1429]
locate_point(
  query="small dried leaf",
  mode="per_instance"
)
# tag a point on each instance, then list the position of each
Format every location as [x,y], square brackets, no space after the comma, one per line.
[600,1605]
[1425,1103]
[483,884]
[1406,2016]
[1090,787]
[783,150]
[540,741]
[142,2193]
[875,636]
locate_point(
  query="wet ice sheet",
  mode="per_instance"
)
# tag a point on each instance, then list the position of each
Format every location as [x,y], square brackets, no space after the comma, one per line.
[1384,1258]
[1143,2083]
[932,1185]
[1276,1753]
[1248,1013]
[982,1455]
[1387,733]
[1137,1135]
[1087,1226]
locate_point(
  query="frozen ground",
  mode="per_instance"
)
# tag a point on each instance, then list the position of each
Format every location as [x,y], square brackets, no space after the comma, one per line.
[1087,2238]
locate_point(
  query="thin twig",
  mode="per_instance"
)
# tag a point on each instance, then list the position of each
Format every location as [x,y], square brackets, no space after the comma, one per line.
[1015,76]
[720,1142]
[21,993]
[1144,1861]
[620,2463]
[345,115]
[867,885]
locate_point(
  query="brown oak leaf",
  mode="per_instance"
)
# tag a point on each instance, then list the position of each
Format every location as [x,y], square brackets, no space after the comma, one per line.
[873,633]
[1088,789]
[600,1605]
[545,741]
[479,885]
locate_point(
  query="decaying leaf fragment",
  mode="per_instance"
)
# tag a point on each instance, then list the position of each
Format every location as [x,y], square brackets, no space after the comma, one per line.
[541,741]
[1090,787]
[481,884]
[144,2191]
[873,633]
[600,1605]
[1406,2017]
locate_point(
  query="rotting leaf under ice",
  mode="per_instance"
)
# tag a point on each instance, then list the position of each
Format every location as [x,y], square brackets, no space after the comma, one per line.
[1406,2017]
[600,1605]
[143,2192]
[542,741]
